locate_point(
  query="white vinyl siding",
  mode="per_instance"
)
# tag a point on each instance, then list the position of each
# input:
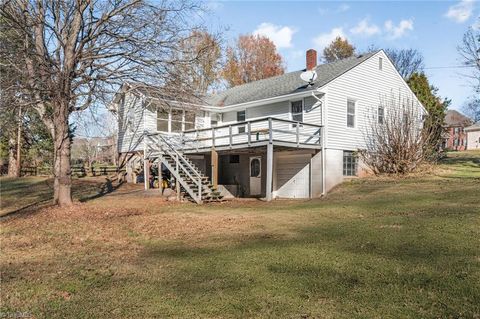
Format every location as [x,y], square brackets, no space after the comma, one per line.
[369,87]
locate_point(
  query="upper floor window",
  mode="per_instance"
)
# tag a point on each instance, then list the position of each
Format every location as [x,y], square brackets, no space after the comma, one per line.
[189,121]
[241,117]
[456,130]
[175,121]
[380,63]
[350,113]
[131,118]
[162,121]
[297,111]
[380,114]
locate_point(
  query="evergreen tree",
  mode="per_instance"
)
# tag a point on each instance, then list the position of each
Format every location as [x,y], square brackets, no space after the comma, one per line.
[435,106]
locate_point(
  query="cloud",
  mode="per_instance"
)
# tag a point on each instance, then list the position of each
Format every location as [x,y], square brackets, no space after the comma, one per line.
[460,12]
[365,29]
[343,7]
[324,39]
[281,36]
[395,32]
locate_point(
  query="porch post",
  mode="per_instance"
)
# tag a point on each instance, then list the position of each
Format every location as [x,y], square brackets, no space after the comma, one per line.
[146,173]
[269,172]
[214,165]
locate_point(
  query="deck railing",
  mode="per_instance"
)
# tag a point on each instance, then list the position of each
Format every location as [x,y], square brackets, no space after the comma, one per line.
[253,132]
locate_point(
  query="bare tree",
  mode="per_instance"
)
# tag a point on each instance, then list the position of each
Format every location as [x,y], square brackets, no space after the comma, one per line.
[75,54]
[395,140]
[407,61]
[469,51]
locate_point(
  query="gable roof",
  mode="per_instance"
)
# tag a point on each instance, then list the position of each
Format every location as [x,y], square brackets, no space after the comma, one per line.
[285,84]
[455,118]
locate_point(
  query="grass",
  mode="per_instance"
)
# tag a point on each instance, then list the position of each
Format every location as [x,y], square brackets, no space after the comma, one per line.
[389,248]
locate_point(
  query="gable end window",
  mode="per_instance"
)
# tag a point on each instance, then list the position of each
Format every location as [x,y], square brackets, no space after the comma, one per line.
[380,64]
[241,117]
[350,113]
[297,111]
[380,114]
[349,163]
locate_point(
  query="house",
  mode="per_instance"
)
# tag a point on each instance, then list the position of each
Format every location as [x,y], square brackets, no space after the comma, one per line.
[455,137]
[473,136]
[280,137]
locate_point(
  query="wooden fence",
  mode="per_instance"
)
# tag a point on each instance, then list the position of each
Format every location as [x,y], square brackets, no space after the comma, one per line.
[78,171]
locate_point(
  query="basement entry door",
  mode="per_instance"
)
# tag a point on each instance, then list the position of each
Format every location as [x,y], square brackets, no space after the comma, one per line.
[293,175]
[255,176]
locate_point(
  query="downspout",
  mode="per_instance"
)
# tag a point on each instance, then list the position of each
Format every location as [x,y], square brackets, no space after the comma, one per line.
[323,103]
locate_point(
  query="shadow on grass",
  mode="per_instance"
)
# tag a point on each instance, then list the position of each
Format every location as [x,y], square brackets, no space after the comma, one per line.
[356,264]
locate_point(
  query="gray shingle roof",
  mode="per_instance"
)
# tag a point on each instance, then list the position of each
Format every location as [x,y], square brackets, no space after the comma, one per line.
[284,84]
[455,118]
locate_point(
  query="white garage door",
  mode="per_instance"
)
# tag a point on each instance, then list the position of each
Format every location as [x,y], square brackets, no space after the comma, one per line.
[293,176]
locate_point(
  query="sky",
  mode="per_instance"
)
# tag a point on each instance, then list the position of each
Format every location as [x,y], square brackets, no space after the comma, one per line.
[435,28]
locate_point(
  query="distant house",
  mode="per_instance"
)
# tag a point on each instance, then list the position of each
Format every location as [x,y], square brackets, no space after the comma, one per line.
[279,137]
[473,136]
[455,136]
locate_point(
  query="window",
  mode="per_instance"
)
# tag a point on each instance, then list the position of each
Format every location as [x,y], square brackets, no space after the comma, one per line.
[297,112]
[131,118]
[455,130]
[179,120]
[189,120]
[350,113]
[380,114]
[349,163]
[241,118]
[234,159]
[255,167]
[162,121]
[380,64]
[176,125]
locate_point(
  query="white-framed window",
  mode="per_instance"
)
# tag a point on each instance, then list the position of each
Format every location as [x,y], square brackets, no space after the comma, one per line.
[296,109]
[241,117]
[349,163]
[380,114]
[351,113]
[131,118]
[175,120]
[162,120]
[380,63]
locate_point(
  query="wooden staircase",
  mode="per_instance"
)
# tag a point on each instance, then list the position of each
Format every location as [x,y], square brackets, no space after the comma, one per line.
[194,184]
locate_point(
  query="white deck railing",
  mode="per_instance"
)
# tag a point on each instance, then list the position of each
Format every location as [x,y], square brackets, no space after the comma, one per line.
[249,133]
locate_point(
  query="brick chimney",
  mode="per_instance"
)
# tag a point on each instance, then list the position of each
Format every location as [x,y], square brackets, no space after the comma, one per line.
[311,59]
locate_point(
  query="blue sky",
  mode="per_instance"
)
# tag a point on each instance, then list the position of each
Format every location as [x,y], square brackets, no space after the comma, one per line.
[434,28]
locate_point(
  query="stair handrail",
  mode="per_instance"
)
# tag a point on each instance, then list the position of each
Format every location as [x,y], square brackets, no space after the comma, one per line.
[180,156]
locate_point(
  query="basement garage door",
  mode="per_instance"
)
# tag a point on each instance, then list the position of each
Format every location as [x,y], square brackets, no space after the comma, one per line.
[293,175]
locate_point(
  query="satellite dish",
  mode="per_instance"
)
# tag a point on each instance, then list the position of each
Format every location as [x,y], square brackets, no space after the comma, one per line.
[309,76]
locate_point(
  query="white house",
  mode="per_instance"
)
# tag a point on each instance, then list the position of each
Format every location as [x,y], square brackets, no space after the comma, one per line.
[275,138]
[473,137]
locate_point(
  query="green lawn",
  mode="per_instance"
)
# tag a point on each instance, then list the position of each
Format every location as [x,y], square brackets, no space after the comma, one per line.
[374,248]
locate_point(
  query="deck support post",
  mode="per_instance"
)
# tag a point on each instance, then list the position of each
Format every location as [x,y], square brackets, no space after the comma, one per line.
[146,173]
[214,164]
[269,178]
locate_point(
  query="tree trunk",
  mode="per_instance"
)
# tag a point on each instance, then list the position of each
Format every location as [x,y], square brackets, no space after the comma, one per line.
[61,170]
[12,158]
[19,142]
